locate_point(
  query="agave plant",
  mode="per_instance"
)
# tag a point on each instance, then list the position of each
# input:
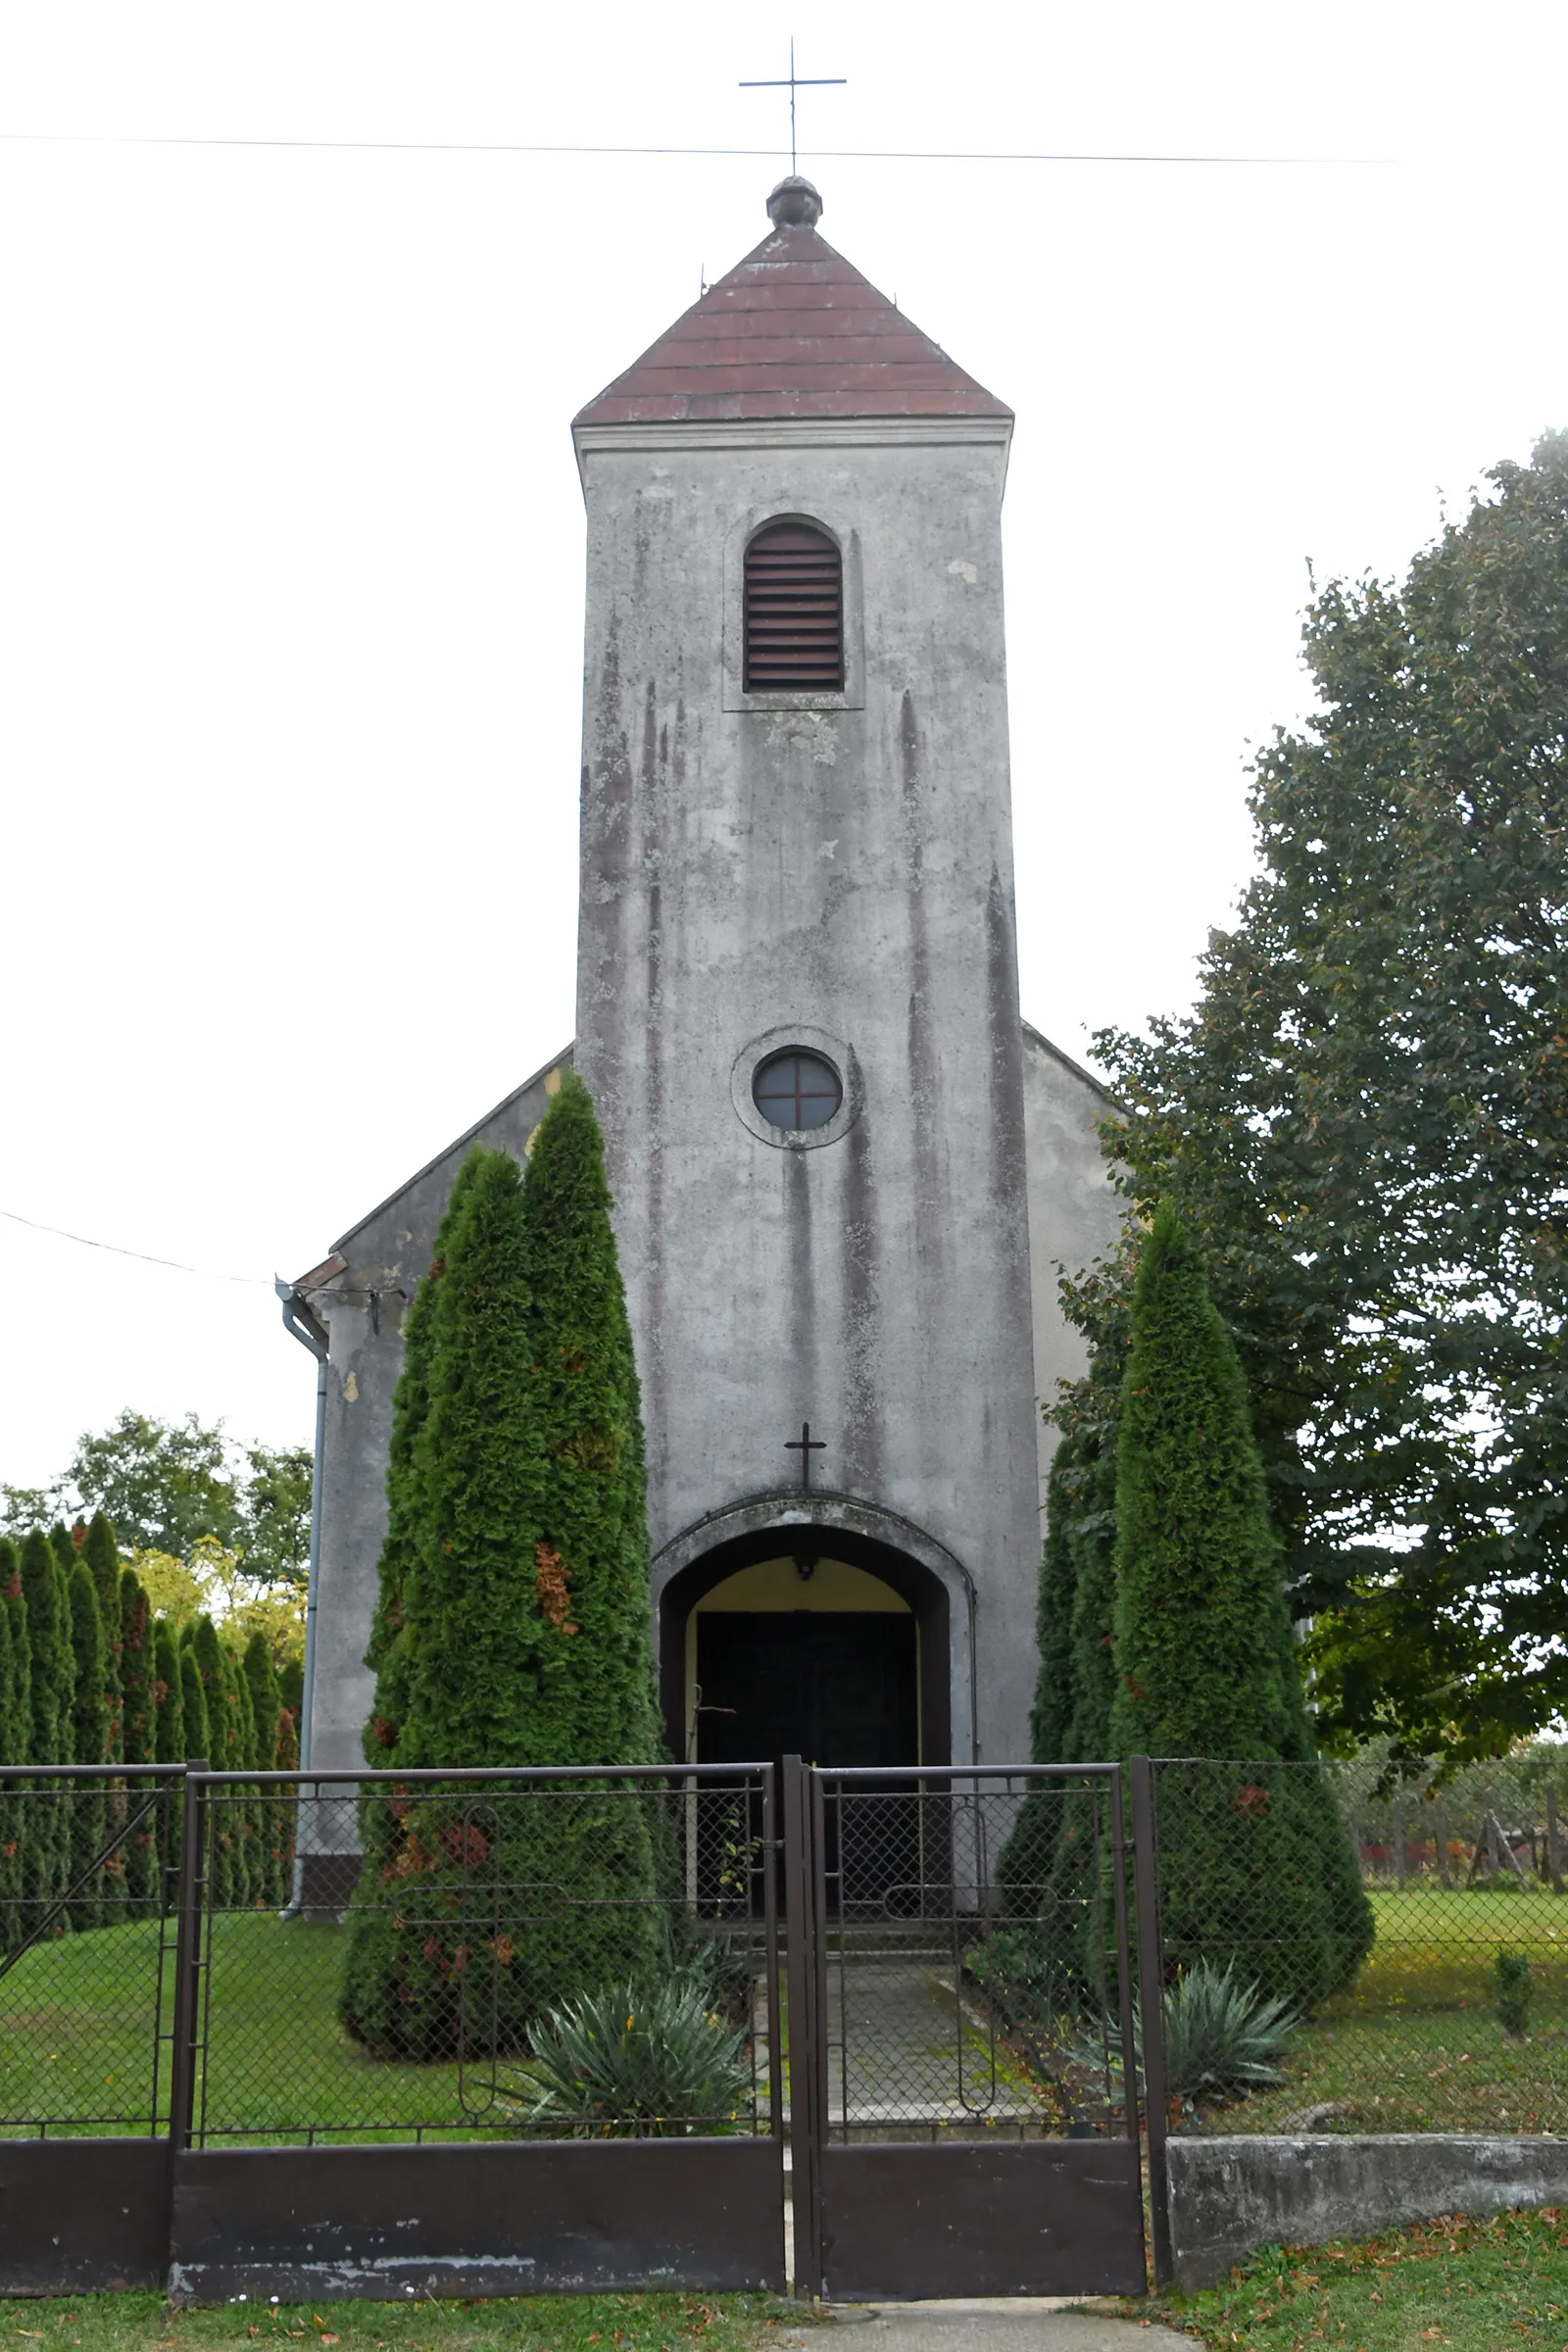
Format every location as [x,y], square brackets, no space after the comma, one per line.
[640,2061]
[718,1964]
[1222,2039]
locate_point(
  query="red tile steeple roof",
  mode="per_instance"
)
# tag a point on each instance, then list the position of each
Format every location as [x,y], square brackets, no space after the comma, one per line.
[794,330]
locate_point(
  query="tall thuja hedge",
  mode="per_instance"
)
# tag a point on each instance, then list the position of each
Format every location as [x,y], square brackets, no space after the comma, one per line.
[89,1738]
[1052,1866]
[1256,1866]
[138,1731]
[227,1751]
[169,1735]
[16,1747]
[195,1728]
[100,1555]
[388,1653]
[518,1496]
[596,1702]
[272,1813]
[46,1848]
[13,1750]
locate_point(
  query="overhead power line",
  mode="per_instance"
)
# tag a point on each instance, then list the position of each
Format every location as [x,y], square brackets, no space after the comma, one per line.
[206,1273]
[872,155]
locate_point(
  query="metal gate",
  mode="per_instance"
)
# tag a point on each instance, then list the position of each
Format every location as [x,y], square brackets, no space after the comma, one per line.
[960,2001]
[286,2035]
[87,2039]
[421,2147]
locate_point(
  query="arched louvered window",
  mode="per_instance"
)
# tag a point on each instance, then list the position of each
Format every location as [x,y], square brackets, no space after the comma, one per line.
[794,612]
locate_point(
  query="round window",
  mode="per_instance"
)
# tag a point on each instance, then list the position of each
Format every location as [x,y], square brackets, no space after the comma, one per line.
[797,1089]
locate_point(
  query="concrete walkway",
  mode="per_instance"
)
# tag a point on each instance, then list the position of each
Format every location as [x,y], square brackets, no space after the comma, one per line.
[1027,2324]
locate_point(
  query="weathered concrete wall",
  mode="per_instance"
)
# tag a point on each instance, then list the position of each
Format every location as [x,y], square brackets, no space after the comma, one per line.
[1229,2197]
[1075,1213]
[836,871]
[362,1308]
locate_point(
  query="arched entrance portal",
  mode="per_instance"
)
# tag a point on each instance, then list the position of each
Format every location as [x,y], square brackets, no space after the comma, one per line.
[798,1630]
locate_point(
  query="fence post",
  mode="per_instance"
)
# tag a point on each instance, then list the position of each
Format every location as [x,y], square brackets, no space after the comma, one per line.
[1553,1839]
[801,1929]
[1151,2012]
[188,1957]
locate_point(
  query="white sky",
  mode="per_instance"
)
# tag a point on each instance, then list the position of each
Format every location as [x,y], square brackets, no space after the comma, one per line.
[291,541]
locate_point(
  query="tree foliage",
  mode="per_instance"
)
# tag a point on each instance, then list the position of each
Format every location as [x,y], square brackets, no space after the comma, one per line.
[166,1484]
[1205,1663]
[88,1744]
[513,1621]
[1364,1124]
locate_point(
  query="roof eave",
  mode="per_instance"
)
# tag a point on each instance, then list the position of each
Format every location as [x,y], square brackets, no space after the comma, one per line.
[772,432]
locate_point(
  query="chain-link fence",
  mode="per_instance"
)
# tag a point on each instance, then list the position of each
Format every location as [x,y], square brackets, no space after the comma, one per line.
[973,1958]
[1337,1959]
[462,1956]
[87,1869]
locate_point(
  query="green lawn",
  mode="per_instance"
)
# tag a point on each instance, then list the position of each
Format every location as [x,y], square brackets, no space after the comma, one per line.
[1415,2046]
[1498,2285]
[77,2042]
[535,2323]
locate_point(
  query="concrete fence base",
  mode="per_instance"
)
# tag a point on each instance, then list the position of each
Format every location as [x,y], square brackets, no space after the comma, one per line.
[1229,2197]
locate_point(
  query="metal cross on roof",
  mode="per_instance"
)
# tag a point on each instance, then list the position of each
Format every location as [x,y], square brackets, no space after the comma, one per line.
[805,1446]
[797,81]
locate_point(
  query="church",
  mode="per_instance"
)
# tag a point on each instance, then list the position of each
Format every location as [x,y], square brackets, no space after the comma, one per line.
[845,1169]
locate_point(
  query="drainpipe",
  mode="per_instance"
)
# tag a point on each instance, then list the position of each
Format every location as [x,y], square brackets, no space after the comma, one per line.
[304,1326]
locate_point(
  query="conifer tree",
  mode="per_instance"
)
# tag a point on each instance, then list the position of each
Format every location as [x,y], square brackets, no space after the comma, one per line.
[63,1544]
[166,1713]
[1052,1846]
[50,1679]
[135,1671]
[169,1746]
[291,1683]
[388,1653]
[266,1707]
[1256,1865]
[195,1730]
[595,1703]
[90,1734]
[137,1733]
[246,1803]
[101,1555]
[10,1809]
[17,1734]
[518,1642]
[224,1753]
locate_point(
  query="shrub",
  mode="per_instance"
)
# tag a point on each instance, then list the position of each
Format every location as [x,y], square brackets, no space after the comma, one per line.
[1028,1974]
[1516,1985]
[1223,2038]
[640,2061]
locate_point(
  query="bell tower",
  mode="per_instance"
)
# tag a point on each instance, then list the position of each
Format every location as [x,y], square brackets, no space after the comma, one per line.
[797,992]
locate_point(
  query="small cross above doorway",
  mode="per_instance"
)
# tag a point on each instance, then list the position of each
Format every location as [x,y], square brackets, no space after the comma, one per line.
[805,1446]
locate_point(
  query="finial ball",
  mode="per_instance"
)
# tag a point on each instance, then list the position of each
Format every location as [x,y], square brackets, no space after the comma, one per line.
[795,204]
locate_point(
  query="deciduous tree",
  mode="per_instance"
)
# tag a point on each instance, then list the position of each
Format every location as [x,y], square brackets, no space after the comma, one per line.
[1364,1124]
